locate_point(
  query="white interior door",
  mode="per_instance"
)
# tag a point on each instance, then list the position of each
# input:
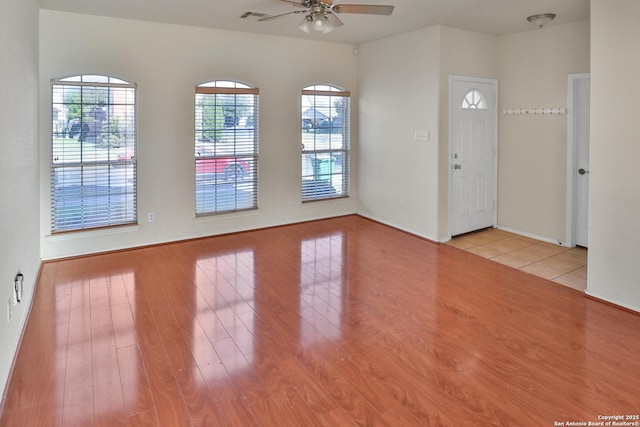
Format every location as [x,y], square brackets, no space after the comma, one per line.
[580,117]
[473,153]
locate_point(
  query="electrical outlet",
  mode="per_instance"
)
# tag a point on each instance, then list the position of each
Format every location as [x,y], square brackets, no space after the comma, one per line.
[151,217]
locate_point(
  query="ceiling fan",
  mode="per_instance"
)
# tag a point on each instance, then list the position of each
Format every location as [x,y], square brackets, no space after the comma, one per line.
[320,15]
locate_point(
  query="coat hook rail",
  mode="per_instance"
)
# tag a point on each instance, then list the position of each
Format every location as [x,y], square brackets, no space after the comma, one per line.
[534,111]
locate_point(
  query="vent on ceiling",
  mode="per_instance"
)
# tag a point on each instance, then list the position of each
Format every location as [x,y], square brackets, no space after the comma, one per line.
[253,15]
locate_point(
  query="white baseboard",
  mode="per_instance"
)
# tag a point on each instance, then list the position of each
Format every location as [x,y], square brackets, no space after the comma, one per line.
[530,235]
[397,227]
[612,301]
[27,300]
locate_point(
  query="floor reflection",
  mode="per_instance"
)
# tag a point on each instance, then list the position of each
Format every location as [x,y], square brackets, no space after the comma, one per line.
[321,283]
[98,345]
[225,290]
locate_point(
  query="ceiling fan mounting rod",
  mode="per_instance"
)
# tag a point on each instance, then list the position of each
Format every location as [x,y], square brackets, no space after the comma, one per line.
[318,3]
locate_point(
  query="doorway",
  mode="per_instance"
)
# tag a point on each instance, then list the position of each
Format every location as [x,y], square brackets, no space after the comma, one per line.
[578,160]
[473,153]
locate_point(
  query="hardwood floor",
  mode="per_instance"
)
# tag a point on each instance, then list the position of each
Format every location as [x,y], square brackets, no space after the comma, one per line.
[331,323]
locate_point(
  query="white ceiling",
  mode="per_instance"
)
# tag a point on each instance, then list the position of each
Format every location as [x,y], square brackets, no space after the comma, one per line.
[486,16]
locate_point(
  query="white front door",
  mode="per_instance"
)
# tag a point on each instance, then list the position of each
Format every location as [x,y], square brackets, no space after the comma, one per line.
[473,153]
[580,125]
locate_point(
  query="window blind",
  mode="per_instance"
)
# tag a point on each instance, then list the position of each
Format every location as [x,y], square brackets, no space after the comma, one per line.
[325,143]
[226,147]
[93,153]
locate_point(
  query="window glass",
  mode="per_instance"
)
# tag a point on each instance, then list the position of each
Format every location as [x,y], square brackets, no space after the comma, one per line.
[325,142]
[93,147]
[474,100]
[226,147]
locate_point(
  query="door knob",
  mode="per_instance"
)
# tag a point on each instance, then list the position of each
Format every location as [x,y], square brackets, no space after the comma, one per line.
[457,167]
[582,171]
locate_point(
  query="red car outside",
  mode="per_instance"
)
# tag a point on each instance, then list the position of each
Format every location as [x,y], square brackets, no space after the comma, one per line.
[210,167]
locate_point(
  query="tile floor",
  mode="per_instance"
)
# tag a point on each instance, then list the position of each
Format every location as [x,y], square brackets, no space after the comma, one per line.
[566,266]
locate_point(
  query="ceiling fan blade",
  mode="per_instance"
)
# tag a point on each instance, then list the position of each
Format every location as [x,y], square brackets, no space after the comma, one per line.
[295,3]
[334,20]
[371,9]
[271,18]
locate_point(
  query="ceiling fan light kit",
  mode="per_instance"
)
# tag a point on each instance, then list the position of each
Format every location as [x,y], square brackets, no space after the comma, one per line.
[321,14]
[307,24]
[317,20]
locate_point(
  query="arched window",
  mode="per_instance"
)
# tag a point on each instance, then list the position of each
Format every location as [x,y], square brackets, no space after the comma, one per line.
[93,153]
[474,100]
[325,142]
[226,147]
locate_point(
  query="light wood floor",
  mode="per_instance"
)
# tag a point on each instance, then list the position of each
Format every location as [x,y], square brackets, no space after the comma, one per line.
[338,322]
[560,264]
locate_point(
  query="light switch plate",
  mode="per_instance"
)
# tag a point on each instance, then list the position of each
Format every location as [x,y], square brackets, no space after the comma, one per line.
[421,135]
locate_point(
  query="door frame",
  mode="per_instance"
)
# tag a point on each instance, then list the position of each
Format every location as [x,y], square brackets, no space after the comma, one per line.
[572,147]
[494,108]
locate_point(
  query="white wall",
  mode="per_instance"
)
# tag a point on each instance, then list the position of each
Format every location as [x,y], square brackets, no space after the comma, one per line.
[403,89]
[614,208]
[462,53]
[398,84]
[19,244]
[167,62]
[532,149]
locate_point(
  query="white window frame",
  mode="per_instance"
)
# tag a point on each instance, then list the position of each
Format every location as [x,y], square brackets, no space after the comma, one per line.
[93,153]
[225,154]
[325,139]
